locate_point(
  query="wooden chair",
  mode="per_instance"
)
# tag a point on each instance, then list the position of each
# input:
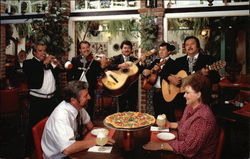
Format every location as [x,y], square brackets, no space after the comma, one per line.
[220,144]
[37,132]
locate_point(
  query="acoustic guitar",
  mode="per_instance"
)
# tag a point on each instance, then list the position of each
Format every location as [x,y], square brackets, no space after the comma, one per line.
[150,80]
[169,90]
[118,81]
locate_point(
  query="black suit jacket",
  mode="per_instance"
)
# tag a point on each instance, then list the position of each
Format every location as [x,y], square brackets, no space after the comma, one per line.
[34,71]
[118,59]
[168,69]
[202,61]
[93,73]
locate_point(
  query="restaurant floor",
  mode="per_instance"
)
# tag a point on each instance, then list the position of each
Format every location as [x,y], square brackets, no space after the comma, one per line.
[12,134]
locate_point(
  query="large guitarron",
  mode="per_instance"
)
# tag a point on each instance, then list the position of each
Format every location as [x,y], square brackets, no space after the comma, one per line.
[118,81]
[169,91]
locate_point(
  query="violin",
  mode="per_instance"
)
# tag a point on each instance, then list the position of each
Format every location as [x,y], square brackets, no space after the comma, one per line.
[99,58]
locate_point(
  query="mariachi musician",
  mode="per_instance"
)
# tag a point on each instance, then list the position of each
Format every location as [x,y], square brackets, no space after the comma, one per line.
[128,100]
[87,68]
[165,69]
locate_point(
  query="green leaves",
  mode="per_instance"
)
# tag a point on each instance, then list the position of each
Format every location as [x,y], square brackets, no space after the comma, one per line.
[51,29]
[148,30]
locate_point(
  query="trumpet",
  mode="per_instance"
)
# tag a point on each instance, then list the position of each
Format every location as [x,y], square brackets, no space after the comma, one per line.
[59,63]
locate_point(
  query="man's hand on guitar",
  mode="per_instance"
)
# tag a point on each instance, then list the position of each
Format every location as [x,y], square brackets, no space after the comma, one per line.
[104,62]
[174,80]
[204,71]
[156,68]
[123,65]
[146,72]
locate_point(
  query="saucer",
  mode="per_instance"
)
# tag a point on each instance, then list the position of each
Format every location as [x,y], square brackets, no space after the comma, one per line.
[165,136]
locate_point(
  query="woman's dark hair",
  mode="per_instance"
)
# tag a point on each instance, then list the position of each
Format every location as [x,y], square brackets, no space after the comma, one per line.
[199,83]
[168,46]
[126,42]
[195,38]
[72,90]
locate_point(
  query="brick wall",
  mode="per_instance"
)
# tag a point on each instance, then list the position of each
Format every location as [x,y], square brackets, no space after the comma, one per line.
[159,13]
[3,45]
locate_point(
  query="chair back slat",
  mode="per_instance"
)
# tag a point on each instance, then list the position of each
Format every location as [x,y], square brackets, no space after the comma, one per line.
[37,132]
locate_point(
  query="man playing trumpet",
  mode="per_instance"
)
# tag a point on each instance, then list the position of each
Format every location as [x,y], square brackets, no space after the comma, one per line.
[42,78]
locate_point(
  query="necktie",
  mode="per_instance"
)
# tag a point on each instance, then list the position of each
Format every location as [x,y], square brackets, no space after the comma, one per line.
[83,61]
[191,63]
[126,59]
[79,135]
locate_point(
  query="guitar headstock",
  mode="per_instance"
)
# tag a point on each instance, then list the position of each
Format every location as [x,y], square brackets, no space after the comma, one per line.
[151,52]
[217,65]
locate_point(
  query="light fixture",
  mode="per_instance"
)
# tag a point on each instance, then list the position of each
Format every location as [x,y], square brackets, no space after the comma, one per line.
[108,35]
[205,33]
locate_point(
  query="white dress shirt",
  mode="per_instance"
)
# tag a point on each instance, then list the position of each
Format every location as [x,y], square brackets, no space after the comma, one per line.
[49,83]
[158,81]
[60,130]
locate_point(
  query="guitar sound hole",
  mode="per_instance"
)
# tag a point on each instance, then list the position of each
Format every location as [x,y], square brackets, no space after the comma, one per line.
[125,70]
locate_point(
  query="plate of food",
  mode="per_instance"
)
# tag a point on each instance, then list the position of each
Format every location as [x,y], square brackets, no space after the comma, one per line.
[166,136]
[129,120]
[96,131]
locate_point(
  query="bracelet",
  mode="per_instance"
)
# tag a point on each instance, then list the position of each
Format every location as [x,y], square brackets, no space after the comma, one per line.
[162,146]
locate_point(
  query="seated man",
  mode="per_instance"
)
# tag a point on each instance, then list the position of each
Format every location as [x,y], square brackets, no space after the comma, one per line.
[61,135]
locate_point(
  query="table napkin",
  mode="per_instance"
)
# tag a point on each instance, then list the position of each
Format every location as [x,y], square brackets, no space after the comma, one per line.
[155,128]
[105,149]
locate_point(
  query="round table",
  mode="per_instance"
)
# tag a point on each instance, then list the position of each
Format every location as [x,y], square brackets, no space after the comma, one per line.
[128,135]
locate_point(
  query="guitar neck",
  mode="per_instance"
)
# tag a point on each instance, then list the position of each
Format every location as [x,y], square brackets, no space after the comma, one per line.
[149,53]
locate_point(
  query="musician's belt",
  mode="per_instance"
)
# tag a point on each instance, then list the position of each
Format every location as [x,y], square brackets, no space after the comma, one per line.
[41,95]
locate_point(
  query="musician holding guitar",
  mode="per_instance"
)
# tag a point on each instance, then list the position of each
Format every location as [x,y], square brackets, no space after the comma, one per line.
[86,68]
[128,100]
[164,66]
[193,62]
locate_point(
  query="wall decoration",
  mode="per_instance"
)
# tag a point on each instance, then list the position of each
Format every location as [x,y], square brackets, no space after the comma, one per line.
[177,47]
[116,47]
[99,48]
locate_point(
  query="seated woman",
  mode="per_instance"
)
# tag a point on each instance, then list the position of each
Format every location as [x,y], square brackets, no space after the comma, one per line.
[197,130]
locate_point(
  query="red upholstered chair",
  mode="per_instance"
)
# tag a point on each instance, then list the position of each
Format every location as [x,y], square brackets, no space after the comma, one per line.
[220,144]
[37,132]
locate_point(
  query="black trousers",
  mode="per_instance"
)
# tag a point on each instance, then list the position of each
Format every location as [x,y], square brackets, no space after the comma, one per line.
[168,108]
[129,100]
[39,109]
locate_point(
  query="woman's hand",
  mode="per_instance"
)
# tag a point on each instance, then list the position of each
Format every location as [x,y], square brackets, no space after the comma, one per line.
[151,145]
[111,141]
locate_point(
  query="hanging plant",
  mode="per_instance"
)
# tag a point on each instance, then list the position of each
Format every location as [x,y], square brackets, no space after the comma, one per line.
[148,30]
[126,27]
[23,29]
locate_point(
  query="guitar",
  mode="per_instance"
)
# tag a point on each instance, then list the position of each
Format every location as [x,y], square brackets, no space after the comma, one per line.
[150,80]
[119,80]
[169,91]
